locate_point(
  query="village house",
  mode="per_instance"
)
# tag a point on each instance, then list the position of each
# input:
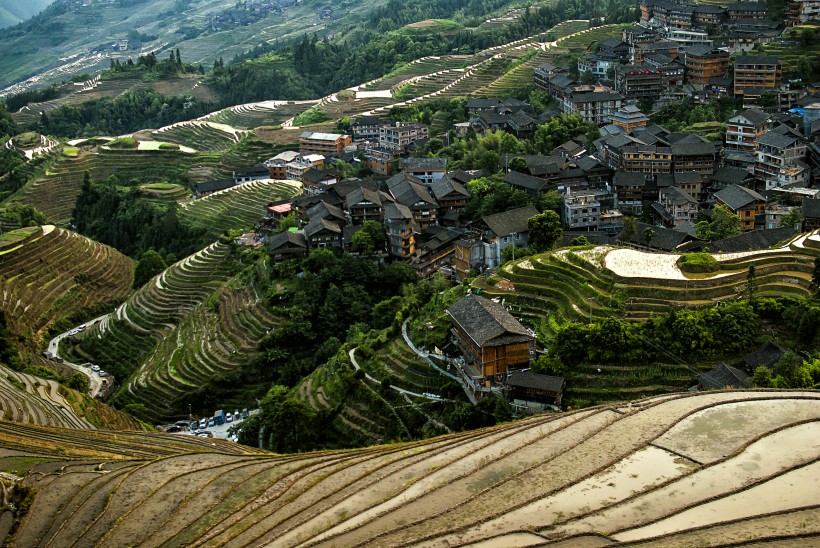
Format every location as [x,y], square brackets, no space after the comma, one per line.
[399,230]
[677,208]
[209,187]
[744,128]
[745,203]
[314,142]
[365,128]
[527,387]
[490,338]
[427,170]
[758,73]
[780,160]
[506,229]
[410,192]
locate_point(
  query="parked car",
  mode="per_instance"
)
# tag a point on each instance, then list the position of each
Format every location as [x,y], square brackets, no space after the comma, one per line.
[245,413]
[95,367]
[211,422]
[102,373]
[203,423]
[194,426]
[173,428]
[228,418]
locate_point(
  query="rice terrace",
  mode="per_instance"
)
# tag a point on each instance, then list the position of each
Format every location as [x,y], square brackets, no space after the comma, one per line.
[409,273]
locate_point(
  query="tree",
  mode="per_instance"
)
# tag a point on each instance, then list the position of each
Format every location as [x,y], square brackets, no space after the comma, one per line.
[363,242]
[518,164]
[149,265]
[751,283]
[579,241]
[376,231]
[78,382]
[724,224]
[287,222]
[792,218]
[544,229]
[648,234]
[629,230]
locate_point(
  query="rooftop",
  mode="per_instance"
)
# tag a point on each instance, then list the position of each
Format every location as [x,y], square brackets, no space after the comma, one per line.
[487,322]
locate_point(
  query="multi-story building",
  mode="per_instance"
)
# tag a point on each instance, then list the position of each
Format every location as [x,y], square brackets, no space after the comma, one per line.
[399,226]
[278,165]
[801,11]
[637,34]
[704,63]
[757,72]
[780,160]
[647,159]
[399,136]
[743,129]
[427,170]
[596,65]
[682,208]
[313,142]
[365,128]
[746,10]
[382,161]
[582,210]
[639,82]
[707,15]
[302,163]
[629,117]
[743,202]
[672,70]
[694,156]
[410,192]
[594,106]
[687,37]
[666,47]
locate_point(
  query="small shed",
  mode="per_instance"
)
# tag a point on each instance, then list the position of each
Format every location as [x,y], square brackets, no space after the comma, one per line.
[535,387]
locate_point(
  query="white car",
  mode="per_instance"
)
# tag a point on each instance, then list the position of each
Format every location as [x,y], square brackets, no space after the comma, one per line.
[95,367]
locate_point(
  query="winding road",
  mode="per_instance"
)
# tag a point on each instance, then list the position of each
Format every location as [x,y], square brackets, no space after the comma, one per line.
[94,379]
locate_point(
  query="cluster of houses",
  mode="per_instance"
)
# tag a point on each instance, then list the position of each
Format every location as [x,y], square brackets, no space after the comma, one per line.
[678,58]
[247,13]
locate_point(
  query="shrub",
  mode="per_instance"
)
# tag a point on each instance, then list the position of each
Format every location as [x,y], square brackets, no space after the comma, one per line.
[169,146]
[123,142]
[698,263]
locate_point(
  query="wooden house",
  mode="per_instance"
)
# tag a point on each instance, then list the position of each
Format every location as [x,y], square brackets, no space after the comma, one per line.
[490,337]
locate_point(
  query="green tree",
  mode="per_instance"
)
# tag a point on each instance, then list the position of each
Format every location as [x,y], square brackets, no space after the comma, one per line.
[363,242]
[648,234]
[544,230]
[149,265]
[724,224]
[792,218]
[78,382]
[376,231]
[518,164]
[751,283]
[629,230]
[288,221]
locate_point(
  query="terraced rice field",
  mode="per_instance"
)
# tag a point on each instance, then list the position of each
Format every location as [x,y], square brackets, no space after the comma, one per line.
[601,282]
[253,115]
[238,207]
[56,274]
[201,135]
[585,39]
[55,192]
[402,367]
[716,468]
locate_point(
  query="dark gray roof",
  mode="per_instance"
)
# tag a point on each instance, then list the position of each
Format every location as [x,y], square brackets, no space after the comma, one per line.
[525,379]
[630,178]
[753,115]
[754,240]
[706,8]
[736,196]
[662,213]
[811,208]
[515,220]
[482,103]
[704,50]
[363,194]
[723,376]
[747,6]
[767,355]
[487,322]
[366,121]
[515,179]
[394,211]
[729,175]
[424,164]
[321,224]
[777,140]
[410,194]
[213,186]
[446,186]
[692,148]
[665,239]
[678,197]
[287,240]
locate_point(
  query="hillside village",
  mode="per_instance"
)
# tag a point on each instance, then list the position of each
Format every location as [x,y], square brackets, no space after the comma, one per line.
[550,277]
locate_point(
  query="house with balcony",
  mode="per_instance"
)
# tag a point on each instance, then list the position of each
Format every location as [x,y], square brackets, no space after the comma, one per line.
[450,194]
[584,209]
[426,170]
[410,192]
[363,204]
[680,206]
[757,74]
[365,128]
[629,117]
[490,338]
[505,229]
[704,63]
[400,230]
[639,81]
[399,136]
[742,130]
[781,160]
[745,203]
[314,142]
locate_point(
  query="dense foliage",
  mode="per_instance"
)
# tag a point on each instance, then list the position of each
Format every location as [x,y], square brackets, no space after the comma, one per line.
[131,111]
[312,67]
[121,219]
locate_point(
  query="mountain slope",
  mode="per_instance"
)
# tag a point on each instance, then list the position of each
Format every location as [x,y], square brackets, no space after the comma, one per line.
[14,11]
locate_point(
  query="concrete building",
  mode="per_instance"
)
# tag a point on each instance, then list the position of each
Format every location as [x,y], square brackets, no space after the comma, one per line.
[757,72]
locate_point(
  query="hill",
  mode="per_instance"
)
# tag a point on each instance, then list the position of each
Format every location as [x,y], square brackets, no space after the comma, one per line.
[682,470]
[13,12]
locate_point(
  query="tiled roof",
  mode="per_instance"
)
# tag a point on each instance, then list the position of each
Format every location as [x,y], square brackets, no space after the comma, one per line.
[513,178]
[446,186]
[487,322]
[754,240]
[737,196]
[811,208]
[515,220]
[424,164]
[525,379]
[724,376]
[777,140]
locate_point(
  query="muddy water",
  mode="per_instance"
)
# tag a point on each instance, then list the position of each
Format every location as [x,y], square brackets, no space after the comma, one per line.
[794,489]
[711,434]
[645,468]
[780,451]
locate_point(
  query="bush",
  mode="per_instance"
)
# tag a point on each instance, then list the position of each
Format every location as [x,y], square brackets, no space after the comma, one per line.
[698,263]
[123,142]
[169,146]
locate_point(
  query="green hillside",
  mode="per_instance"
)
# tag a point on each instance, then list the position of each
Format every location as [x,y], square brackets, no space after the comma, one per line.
[15,11]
